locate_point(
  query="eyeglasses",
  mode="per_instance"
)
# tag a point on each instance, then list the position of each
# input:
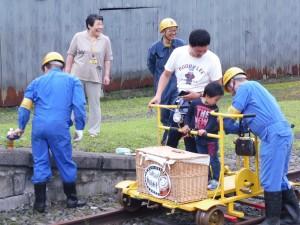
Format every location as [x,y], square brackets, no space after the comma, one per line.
[172,30]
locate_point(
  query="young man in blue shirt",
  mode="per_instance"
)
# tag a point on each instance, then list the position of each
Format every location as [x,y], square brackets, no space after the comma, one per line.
[274,131]
[158,55]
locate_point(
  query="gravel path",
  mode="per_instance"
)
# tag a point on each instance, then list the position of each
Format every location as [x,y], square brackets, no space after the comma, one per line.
[57,211]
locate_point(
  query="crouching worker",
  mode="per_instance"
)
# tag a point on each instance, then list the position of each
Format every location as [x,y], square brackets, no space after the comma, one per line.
[199,118]
[54,95]
[271,126]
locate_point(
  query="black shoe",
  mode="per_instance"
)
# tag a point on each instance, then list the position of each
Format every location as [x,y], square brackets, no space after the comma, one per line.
[272,208]
[40,197]
[72,200]
[290,214]
[72,203]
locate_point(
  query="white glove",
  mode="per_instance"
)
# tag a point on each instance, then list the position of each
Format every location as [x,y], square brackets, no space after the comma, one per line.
[78,135]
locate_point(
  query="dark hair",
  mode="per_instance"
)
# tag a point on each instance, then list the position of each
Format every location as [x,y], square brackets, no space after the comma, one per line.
[213,89]
[90,20]
[199,38]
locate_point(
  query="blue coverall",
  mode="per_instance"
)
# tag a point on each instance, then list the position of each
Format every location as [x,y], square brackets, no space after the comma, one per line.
[54,95]
[158,55]
[275,133]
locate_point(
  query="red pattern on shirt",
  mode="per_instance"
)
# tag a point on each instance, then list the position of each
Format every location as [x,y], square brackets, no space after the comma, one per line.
[201,117]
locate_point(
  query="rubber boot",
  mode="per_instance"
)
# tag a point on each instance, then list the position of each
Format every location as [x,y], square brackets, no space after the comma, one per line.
[40,197]
[290,214]
[272,208]
[72,200]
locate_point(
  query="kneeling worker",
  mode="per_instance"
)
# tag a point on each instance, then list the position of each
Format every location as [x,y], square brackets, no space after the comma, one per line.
[54,95]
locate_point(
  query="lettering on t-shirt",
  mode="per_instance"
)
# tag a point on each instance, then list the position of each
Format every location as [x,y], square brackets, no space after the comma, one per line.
[190,75]
[201,117]
[191,67]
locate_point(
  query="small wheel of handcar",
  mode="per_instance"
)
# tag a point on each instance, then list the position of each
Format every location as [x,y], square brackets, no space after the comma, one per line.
[128,203]
[213,216]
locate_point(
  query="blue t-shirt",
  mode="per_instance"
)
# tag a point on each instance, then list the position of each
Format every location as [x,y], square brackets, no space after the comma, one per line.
[252,98]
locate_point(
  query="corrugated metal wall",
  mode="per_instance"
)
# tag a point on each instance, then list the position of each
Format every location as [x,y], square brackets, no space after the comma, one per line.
[262,36]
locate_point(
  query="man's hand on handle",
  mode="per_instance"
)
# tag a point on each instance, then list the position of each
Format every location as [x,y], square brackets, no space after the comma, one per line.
[154,100]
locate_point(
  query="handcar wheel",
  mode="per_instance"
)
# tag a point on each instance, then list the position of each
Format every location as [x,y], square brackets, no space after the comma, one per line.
[213,216]
[128,203]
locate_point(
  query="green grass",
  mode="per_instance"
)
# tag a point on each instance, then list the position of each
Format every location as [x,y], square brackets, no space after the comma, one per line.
[126,122]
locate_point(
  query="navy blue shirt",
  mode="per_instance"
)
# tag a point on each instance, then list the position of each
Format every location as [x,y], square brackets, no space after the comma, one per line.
[158,55]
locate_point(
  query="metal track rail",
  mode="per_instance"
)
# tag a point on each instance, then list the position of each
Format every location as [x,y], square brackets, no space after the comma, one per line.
[117,216]
[113,217]
[292,175]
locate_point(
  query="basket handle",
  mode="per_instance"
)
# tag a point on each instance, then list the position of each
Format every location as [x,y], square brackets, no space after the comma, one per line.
[178,151]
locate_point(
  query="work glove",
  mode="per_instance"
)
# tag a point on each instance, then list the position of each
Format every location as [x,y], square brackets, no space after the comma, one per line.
[14,134]
[78,135]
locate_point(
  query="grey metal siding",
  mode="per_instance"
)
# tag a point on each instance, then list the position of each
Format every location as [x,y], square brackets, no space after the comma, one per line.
[262,36]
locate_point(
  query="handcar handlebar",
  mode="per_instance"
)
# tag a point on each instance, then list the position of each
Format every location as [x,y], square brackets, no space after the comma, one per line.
[192,132]
[248,115]
[230,115]
[163,106]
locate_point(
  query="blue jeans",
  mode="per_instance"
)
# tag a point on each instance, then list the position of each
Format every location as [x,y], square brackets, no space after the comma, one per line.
[210,148]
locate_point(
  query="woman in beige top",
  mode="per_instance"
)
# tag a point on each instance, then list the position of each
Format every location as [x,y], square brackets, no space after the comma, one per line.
[89,58]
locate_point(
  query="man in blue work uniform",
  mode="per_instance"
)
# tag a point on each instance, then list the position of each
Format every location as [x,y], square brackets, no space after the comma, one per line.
[271,126]
[158,55]
[54,95]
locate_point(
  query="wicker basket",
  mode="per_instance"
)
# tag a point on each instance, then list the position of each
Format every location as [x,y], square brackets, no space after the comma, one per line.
[186,173]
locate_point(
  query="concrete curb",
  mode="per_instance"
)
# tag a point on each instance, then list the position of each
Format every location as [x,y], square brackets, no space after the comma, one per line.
[84,160]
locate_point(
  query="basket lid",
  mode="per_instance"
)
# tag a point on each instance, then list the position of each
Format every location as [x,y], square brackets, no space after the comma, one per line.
[171,153]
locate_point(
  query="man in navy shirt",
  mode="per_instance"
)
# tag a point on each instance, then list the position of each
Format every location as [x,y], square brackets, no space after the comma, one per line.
[158,55]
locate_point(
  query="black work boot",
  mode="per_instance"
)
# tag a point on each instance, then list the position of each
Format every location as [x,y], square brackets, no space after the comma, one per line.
[72,200]
[272,208]
[290,214]
[40,197]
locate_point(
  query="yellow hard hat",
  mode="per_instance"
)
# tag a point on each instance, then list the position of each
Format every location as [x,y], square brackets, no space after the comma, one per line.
[166,23]
[230,73]
[53,56]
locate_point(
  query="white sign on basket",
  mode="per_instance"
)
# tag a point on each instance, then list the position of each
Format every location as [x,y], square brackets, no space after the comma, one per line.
[157,181]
